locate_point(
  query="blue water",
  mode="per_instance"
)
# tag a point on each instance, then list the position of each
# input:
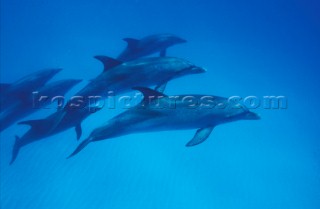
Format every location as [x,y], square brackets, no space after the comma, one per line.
[259,48]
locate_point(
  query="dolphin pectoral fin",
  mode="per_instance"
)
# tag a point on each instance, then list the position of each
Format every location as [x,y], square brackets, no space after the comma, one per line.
[163,53]
[132,42]
[108,62]
[78,131]
[4,86]
[148,92]
[201,135]
[32,123]
[161,87]
[15,151]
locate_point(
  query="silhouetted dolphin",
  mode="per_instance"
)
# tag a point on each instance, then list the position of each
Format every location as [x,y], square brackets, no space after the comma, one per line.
[118,77]
[149,45]
[154,71]
[25,105]
[174,113]
[40,129]
[11,93]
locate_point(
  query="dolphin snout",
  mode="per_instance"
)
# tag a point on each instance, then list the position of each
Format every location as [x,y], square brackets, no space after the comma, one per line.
[199,70]
[204,70]
[47,74]
[76,81]
[175,39]
[252,116]
[56,70]
[181,40]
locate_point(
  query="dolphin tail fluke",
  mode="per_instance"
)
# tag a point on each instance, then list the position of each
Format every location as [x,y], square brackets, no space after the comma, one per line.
[15,151]
[82,145]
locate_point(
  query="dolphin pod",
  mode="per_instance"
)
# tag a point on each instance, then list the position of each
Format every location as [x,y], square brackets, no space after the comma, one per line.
[129,72]
[117,77]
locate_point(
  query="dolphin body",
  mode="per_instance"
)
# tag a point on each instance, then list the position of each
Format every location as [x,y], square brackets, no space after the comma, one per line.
[42,128]
[118,77]
[11,93]
[176,114]
[25,106]
[149,45]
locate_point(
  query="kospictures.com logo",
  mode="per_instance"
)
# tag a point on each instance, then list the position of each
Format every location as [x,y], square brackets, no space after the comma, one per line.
[111,101]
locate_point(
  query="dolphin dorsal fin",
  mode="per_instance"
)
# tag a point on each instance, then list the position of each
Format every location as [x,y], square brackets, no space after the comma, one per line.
[108,62]
[149,94]
[32,123]
[132,42]
[161,87]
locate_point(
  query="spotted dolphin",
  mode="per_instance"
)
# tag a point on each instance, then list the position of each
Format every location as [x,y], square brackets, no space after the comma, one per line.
[149,45]
[159,112]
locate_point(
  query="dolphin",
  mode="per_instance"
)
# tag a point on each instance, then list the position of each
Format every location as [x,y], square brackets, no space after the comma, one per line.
[42,128]
[11,93]
[153,71]
[159,112]
[118,77]
[25,106]
[149,45]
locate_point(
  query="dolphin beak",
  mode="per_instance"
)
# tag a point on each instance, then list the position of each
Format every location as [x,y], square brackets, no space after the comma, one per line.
[200,70]
[47,74]
[204,70]
[183,40]
[55,71]
[252,116]
[197,70]
[52,72]
[76,81]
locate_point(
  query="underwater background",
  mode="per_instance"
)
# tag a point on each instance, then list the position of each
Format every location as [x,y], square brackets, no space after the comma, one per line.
[260,48]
